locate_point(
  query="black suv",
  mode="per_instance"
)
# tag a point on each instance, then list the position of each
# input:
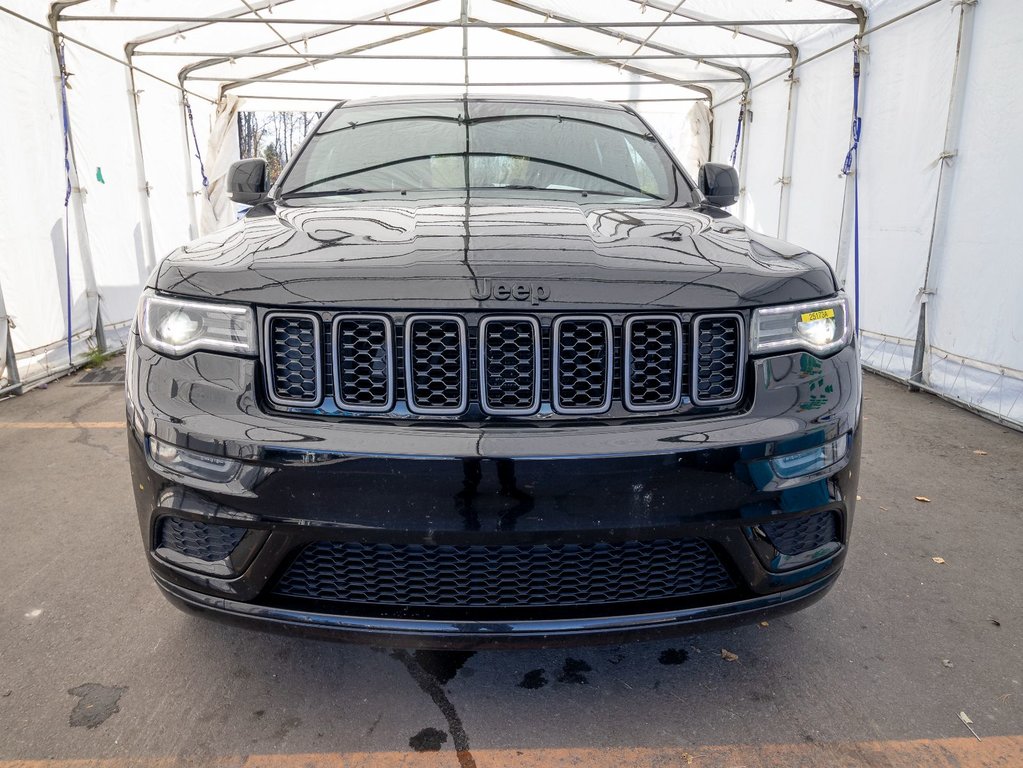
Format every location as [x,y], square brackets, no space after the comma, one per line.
[492,371]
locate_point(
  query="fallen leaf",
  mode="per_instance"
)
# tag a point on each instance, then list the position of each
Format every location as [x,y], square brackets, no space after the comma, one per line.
[981,453]
[922,498]
[994,621]
[728,655]
[947,663]
[763,624]
[939,560]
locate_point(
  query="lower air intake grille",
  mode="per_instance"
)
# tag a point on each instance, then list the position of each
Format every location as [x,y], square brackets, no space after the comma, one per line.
[436,364]
[802,534]
[204,541]
[582,364]
[717,360]
[293,354]
[504,575]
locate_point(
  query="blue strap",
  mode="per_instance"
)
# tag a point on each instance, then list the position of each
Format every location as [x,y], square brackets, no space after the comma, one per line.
[738,128]
[67,190]
[195,141]
[851,165]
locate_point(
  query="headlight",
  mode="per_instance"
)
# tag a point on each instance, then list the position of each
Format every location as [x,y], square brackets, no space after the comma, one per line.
[820,327]
[177,327]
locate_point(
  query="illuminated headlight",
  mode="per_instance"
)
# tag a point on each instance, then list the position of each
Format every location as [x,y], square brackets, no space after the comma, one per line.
[821,327]
[177,327]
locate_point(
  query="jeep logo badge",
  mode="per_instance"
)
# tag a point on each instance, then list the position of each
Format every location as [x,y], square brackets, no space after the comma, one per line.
[534,293]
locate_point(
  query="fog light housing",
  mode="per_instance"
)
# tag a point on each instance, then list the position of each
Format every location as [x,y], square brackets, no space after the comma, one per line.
[811,460]
[201,466]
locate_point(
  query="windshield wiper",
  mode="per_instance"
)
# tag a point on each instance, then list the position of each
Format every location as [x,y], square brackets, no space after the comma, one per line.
[328,192]
[576,190]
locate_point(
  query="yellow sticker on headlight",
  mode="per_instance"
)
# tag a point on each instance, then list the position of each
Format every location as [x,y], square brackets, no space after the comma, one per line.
[820,314]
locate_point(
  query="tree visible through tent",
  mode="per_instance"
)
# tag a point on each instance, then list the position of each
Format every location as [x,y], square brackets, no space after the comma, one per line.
[273,135]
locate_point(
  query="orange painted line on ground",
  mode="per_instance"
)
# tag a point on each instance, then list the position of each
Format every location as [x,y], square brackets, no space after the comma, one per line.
[994,752]
[62,425]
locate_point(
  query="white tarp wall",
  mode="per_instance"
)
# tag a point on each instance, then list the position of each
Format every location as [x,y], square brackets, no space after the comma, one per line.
[974,326]
[125,214]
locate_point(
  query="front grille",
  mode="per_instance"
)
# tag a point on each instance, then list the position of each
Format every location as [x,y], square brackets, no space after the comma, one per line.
[437,362]
[504,576]
[293,354]
[802,534]
[205,541]
[363,363]
[502,365]
[653,363]
[717,359]
[582,364]
[509,365]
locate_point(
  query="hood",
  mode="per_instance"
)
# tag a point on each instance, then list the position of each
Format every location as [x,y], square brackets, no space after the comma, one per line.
[495,253]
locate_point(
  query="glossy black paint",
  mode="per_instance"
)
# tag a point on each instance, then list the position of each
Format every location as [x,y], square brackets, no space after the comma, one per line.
[436,252]
[475,479]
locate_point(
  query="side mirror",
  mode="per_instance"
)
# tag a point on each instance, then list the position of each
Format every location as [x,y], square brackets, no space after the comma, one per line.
[719,183]
[246,181]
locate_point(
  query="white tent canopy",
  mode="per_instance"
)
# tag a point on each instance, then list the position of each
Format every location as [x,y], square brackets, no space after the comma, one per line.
[119,127]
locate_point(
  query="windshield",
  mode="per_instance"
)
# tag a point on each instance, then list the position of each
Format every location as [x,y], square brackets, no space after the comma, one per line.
[454,145]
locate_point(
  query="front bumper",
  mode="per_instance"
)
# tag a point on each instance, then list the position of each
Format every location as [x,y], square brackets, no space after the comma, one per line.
[306,480]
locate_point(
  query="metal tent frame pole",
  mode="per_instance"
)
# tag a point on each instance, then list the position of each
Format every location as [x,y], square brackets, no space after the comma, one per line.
[920,373]
[689,23]
[76,199]
[13,386]
[141,181]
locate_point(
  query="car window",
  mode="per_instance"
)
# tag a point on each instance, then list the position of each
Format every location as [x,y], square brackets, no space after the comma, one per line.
[482,145]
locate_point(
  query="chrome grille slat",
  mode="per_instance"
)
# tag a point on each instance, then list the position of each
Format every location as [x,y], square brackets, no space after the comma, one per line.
[509,365]
[718,360]
[293,359]
[582,364]
[653,362]
[363,363]
[436,364]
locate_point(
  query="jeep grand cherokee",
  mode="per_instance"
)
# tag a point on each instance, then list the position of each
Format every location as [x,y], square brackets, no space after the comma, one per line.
[491,371]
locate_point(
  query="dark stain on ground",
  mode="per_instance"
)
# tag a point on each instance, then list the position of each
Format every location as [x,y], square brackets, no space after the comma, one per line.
[428,740]
[95,704]
[442,665]
[286,726]
[432,688]
[259,713]
[572,672]
[533,679]
[674,656]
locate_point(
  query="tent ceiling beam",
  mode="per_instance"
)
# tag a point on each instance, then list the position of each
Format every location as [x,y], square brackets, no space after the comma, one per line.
[223,58]
[624,36]
[271,27]
[472,57]
[162,34]
[741,29]
[386,13]
[655,80]
[267,77]
[334,100]
[698,88]
[611,24]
